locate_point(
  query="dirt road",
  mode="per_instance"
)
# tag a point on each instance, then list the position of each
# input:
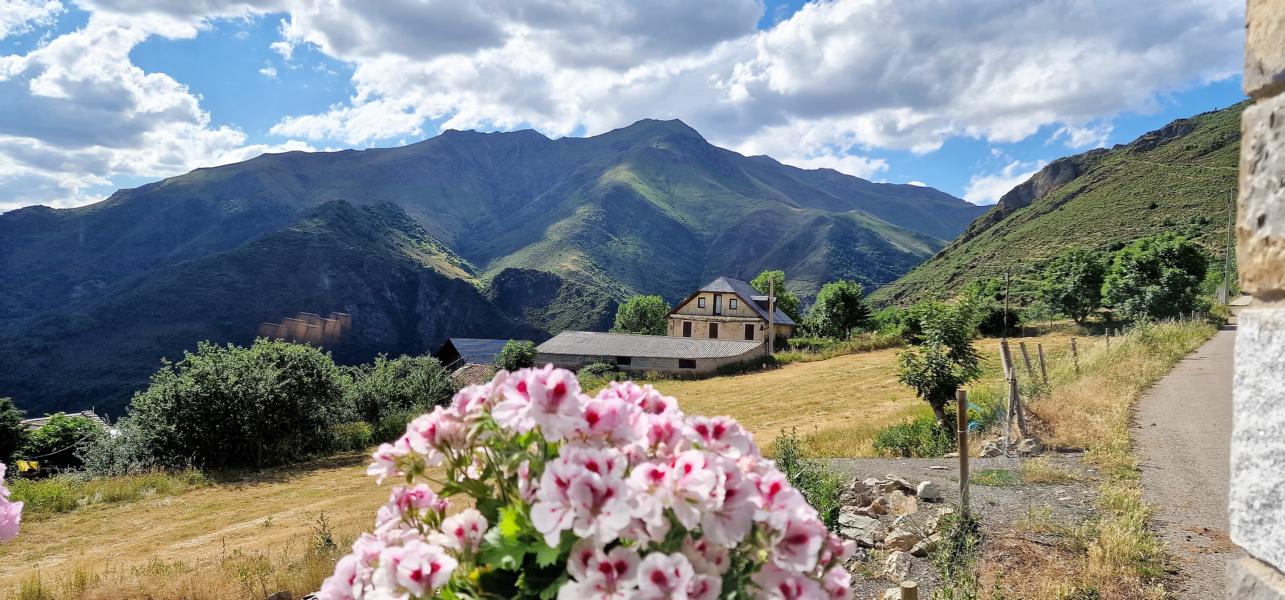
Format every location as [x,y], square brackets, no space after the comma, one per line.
[1184,429]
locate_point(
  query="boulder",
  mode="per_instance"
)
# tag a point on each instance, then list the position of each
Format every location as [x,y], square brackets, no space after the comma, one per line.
[858,494]
[897,567]
[859,528]
[1029,446]
[928,491]
[902,504]
[991,449]
[878,506]
[891,594]
[900,539]
[926,545]
[892,483]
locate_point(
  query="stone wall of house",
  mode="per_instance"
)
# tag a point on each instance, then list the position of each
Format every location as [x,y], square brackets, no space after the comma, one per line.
[1257,501]
[640,364]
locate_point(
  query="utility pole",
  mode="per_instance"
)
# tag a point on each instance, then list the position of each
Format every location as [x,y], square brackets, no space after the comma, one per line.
[1225,294]
[771,316]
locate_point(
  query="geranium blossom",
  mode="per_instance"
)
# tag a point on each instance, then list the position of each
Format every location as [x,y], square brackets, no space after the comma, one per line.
[10,512]
[625,475]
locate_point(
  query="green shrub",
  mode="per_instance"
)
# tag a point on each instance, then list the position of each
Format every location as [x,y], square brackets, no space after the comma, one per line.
[516,354]
[355,435]
[840,307]
[13,434]
[821,487]
[397,385]
[920,437]
[941,358]
[1156,277]
[392,425]
[54,444]
[68,491]
[229,406]
[1072,283]
[642,314]
[749,365]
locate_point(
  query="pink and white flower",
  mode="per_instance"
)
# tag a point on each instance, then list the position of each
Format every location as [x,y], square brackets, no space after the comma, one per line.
[10,512]
[664,576]
[837,583]
[798,545]
[419,568]
[730,514]
[600,576]
[387,458]
[778,584]
[547,398]
[462,532]
[584,491]
[721,435]
[707,558]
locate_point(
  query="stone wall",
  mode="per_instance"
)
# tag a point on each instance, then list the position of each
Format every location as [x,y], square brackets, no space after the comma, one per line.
[1257,502]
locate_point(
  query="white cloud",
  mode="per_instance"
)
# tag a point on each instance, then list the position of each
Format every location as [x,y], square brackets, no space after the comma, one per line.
[269,71]
[1079,138]
[20,16]
[917,183]
[827,86]
[987,188]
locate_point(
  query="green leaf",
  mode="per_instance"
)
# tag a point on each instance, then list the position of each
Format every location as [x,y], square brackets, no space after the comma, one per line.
[502,552]
[544,555]
[510,524]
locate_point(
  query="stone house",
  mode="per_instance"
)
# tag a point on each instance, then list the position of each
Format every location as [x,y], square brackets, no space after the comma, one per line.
[633,352]
[726,309]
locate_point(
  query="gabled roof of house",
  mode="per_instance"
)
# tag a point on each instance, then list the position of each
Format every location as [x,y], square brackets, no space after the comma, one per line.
[751,296]
[476,350]
[593,343]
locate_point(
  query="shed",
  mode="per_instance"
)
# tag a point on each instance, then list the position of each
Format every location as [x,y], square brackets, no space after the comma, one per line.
[469,351]
[633,352]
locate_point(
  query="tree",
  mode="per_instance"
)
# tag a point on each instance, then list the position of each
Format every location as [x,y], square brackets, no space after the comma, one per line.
[774,281]
[642,314]
[1072,283]
[399,385]
[840,308]
[231,406]
[943,358]
[12,432]
[1156,277]
[54,443]
[516,354]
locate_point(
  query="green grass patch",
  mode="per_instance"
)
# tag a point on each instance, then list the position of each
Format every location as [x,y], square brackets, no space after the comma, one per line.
[996,478]
[70,491]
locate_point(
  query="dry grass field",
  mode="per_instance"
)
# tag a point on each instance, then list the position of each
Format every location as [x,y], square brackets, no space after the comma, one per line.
[256,535]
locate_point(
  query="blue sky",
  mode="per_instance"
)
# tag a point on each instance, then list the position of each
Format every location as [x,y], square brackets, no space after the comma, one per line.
[968,97]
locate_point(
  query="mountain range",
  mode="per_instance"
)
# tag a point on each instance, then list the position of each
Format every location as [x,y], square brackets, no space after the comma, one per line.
[464,234]
[1181,177]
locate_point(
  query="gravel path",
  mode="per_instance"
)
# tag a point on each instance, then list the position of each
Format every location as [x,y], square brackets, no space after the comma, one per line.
[1183,433]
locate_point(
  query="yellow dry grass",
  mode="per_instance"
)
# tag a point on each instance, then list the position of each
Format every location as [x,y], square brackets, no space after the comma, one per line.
[253,536]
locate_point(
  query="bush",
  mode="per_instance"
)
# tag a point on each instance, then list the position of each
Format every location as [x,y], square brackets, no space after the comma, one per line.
[992,320]
[1072,283]
[13,434]
[516,354]
[943,357]
[398,385]
[749,365]
[229,406]
[1156,277]
[642,314]
[921,437]
[55,443]
[821,487]
[355,435]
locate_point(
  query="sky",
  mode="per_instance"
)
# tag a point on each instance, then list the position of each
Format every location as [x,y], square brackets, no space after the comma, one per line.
[968,96]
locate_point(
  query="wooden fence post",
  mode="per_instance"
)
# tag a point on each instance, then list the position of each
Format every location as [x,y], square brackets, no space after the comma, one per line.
[1075,356]
[1044,372]
[909,590]
[1026,358]
[961,423]
[1006,360]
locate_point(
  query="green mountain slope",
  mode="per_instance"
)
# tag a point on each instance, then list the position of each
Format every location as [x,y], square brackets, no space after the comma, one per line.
[1177,178]
[501,232]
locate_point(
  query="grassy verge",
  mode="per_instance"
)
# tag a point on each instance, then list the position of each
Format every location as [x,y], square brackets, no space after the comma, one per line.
[813,349]
[68,492]
[1114,556]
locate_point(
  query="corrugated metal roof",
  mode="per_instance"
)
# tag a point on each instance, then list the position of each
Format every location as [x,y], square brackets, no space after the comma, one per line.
[752,296]
[477,350]
[592,343]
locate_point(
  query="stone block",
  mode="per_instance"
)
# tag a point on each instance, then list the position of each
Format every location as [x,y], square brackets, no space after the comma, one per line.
[1264,50]
[1249,579]
[1260,228]
[1257,499]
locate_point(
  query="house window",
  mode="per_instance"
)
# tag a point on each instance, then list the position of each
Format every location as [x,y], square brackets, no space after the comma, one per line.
[624,361]
[718,304]
[731,304]
[700,302]
[749,331]
[687,329]
[687,363]
[713,331]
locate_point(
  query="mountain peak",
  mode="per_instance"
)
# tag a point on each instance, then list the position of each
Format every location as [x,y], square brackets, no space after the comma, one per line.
[659,127]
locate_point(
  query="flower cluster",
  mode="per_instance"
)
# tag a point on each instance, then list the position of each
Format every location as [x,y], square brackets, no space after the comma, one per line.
[10,512]
[619,495]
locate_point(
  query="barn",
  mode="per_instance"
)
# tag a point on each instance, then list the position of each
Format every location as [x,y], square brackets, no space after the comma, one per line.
[631,352]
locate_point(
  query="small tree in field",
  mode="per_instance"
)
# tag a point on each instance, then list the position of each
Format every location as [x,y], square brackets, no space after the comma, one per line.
[943,357]
[516,354]
[1072,283]
[399,384]
[13,434]
[642,314]
[840,307]
[1156,277]
[774,281]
